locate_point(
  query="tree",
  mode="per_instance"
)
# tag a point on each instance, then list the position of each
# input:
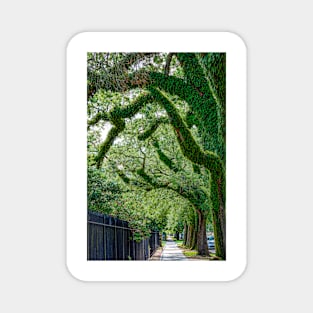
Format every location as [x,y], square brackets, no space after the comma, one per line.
[103,195]
[195,79]
[158,164]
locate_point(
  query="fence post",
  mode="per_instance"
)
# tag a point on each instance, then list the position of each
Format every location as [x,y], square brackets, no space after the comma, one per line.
[123,254]
[115,239]
[104,240]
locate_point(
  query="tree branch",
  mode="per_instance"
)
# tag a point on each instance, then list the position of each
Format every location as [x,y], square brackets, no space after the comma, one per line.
[195,197]
[153,127]
[132,182]
[113,78]
[101,116]
[106,145]
[168,63]
[188,145]
[130,110]
[164,158]
[116,117]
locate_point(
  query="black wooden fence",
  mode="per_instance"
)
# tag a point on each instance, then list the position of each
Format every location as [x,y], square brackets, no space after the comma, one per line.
[110,238]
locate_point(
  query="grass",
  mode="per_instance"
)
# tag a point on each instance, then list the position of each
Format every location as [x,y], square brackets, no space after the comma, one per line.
[193,254]
[190,253]
[179,242]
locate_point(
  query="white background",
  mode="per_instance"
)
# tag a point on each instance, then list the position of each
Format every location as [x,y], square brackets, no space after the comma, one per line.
[76,228]
[33,275]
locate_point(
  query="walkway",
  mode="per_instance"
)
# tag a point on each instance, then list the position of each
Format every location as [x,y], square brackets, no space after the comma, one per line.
[171,252]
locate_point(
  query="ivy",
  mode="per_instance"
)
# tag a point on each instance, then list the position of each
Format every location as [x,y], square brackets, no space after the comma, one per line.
[105,146]
[153,127]
[200,84]
[164,158]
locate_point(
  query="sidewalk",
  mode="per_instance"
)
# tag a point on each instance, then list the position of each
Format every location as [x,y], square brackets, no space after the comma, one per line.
[171,252]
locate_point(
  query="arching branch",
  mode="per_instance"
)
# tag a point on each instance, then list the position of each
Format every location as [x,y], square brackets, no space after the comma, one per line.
[106,145]
[195,92]
[130,110]
[101,116]
[168,63]
[164,158]
[116,117]
[153,127]
[194,196]
[210,80]
[214,66]
[132,182]
[188,145]
[194,73]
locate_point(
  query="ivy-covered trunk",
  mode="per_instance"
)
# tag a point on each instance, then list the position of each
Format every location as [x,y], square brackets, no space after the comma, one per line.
[185,234]
[218,236]
[188,236]
[219,216]
[193,244]
[191,237]
[202,244]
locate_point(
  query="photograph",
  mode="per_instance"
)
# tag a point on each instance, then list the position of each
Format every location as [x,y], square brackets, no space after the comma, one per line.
[156,156]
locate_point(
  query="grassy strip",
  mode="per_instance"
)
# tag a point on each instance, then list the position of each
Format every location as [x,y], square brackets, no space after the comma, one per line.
[190,253]
[193,254]
[178,242]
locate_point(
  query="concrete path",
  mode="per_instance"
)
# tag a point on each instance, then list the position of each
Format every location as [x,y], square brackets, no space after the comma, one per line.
[171,252]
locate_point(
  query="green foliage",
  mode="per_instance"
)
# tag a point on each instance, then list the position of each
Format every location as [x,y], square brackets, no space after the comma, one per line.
[168,111]
[103,195]
[153,127]
[144,211]
[176,220]
[164,158]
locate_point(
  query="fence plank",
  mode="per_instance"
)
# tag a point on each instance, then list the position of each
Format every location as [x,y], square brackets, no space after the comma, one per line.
[110,238]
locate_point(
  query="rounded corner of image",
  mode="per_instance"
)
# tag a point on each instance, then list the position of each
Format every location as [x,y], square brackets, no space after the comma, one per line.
[238,273]
[238,39]
[74,275]
[74,39]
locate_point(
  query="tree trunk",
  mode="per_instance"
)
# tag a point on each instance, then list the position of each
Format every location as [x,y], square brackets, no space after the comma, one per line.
[202,244]
[218,236]
[218,216]
[185,234]
[221,214]
[193,244]
[177,235]
[189,236]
